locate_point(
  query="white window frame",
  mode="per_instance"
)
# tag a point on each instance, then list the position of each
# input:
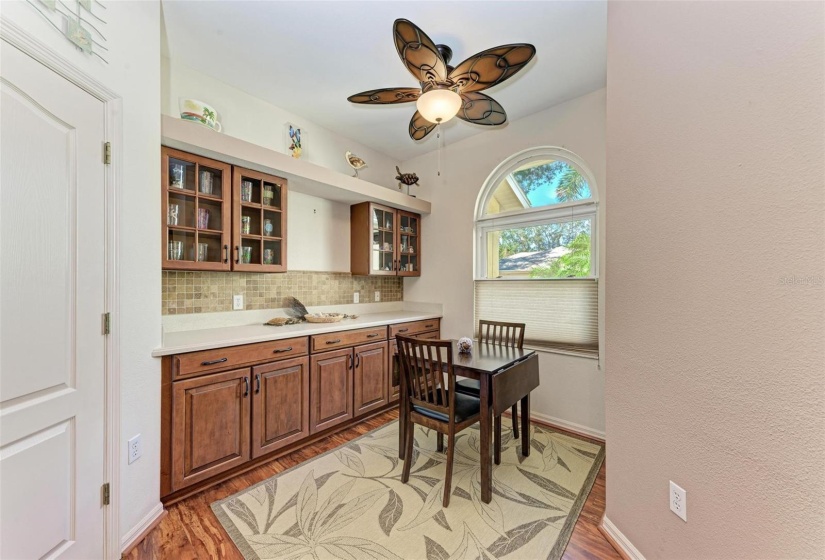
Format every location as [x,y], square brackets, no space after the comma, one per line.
[586,208]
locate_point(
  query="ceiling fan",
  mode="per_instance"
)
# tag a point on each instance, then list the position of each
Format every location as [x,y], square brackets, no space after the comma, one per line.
[448,91]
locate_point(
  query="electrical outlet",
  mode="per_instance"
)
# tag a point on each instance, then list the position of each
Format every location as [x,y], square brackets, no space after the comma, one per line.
[134,449]
[377,295]
[678,500]
[237,302]
[356,297]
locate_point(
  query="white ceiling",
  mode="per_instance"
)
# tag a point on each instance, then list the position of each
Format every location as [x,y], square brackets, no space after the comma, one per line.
[307,57]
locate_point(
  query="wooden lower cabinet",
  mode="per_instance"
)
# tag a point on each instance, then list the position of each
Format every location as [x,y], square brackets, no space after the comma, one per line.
[331,393]
[280,405]
[210,425]
[370,383]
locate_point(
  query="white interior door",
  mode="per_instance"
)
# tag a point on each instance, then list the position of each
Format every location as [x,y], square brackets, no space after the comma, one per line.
[52,297]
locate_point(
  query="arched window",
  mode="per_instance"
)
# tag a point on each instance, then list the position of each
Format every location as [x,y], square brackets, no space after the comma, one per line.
[537,249]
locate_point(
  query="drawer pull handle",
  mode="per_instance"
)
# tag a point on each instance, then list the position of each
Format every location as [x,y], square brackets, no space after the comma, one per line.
[213,362]
[257,383]
[246,386]
[428,326]
[403,330]
[358,360]
[336,341]
[373,335]
[279,350]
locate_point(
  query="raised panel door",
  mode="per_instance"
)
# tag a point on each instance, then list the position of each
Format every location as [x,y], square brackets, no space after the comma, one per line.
[330,389]
[210,424]
[280,407]
[370,385]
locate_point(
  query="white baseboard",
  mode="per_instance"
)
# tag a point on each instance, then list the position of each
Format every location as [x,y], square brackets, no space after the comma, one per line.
[619,541]
[137,532]
[570,426]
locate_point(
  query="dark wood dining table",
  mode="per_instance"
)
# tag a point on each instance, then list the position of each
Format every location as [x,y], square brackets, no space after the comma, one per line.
[506,376]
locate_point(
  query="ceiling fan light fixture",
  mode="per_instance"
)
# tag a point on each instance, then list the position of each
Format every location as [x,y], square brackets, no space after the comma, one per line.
[438,105]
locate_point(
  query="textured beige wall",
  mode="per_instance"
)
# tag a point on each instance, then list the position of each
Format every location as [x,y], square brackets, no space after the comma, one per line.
[715,164]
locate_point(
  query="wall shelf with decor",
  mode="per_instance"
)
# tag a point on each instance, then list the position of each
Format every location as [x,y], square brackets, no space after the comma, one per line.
[304,177]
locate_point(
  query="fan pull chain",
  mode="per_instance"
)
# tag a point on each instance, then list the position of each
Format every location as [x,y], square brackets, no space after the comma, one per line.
[440,146]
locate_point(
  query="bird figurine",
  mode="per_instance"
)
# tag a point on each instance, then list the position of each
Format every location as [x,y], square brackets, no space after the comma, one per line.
[355,162]
[406,179]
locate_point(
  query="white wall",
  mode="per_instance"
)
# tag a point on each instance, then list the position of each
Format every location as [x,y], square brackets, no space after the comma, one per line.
[319,240]
[318,234]
[572,388]
[133,72]
[716,137]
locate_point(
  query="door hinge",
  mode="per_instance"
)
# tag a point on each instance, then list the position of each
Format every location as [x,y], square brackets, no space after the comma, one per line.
[105,494]
[107,323]
[107,153]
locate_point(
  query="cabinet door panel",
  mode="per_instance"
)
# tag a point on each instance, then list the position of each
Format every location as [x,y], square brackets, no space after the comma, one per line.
[331,389]
[394,373]
[370,377]
[211,417]
[280,407]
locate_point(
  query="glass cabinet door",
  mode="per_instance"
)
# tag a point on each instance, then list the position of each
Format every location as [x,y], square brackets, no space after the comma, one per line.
[259,228]
[384,227]
[196,216]
[409,244]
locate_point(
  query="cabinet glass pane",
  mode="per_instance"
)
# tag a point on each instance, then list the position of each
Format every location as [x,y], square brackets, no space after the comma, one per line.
[250,221]
[181,246]
[251,190]
[272,195]
[409,263]
[272,252]
[181,210]
[209,215]
[272,224]
[250,251]
[181,175]
[209,247]
[210,182]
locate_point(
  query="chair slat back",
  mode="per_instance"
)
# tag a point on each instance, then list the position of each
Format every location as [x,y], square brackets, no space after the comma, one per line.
[425,363]
[501,333]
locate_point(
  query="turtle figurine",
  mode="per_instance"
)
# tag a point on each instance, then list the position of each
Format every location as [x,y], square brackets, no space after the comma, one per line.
[406,179]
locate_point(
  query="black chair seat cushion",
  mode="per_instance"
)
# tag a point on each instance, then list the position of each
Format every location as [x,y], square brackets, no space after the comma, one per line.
[465,407]
[470,387]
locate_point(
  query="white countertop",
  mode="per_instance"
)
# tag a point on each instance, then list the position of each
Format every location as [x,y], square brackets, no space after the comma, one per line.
[221,337]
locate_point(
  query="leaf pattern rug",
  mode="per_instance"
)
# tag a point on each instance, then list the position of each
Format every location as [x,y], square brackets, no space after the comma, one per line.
[350,503]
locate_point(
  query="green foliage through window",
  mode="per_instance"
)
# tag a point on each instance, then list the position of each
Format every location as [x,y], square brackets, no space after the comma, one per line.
[575,264]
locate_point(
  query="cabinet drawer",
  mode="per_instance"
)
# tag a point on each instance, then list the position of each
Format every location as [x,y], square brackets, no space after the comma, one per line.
[414,327]
[323,342]
[195,363]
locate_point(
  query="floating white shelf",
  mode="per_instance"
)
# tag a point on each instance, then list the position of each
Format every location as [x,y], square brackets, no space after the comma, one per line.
[303,176]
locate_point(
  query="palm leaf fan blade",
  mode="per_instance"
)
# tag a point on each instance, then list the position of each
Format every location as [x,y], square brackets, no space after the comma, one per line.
[491,67]
[418,52]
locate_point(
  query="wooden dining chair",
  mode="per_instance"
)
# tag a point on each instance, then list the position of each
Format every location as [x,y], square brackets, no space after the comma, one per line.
[503,334]
[431,399]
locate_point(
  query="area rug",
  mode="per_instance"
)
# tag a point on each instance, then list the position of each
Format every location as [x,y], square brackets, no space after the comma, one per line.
[350,503]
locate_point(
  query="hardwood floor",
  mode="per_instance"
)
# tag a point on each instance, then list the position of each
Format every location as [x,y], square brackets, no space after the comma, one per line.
[190,530]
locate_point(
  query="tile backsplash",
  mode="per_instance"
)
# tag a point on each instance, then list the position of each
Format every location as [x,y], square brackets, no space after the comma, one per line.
[206,292]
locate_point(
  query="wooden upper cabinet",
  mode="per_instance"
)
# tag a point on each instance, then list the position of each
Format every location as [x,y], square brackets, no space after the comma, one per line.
[220,217]
[196,198]
[258,221]
[370,384]
[384,241]
[280,407]
[331,393]
[210,425]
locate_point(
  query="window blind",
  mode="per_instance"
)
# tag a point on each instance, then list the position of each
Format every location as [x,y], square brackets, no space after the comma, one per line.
[559,314]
